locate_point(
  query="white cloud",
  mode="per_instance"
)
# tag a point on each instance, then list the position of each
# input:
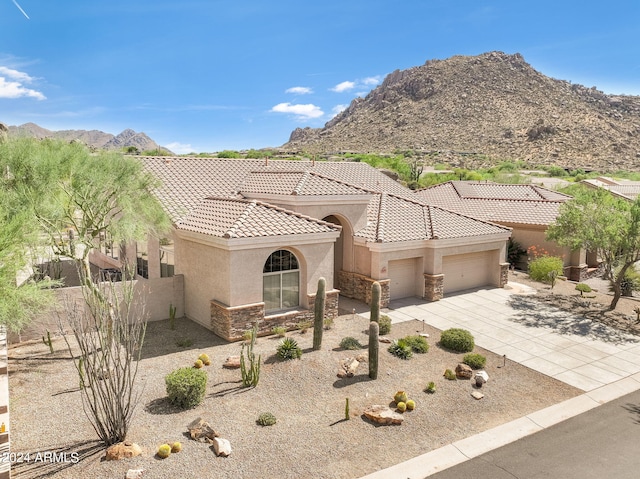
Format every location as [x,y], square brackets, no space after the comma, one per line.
[344,86]
[371,80]
[299,90]
[302,111]
[14,89]
[180,147]
[338,108]
[12,84]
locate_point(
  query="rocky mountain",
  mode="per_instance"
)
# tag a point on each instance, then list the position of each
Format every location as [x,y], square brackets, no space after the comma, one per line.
[477,110]
[92,138]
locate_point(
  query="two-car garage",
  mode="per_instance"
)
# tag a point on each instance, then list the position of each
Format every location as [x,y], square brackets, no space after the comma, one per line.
[461,271]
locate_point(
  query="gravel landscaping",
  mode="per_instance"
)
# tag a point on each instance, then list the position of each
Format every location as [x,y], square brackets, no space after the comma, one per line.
[311,437]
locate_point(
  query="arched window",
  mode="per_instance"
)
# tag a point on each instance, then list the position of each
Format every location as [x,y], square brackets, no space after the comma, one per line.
[281,281]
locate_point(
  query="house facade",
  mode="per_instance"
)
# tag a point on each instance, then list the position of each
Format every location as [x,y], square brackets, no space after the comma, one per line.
[251,239]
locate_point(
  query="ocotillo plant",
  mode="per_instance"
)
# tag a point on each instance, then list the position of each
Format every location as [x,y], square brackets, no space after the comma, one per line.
[318,311]
[374,346]
[375,301]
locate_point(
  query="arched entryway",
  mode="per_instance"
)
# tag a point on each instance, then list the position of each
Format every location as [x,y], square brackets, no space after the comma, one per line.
[342,247]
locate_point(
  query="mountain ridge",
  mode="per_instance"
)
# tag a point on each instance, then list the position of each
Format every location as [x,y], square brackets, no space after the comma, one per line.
[477,110]
[92,138]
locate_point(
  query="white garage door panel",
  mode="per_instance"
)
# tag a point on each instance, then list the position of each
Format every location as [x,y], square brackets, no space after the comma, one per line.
[402,276]
[465,271]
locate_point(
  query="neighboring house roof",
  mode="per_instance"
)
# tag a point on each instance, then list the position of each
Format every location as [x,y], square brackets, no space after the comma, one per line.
[629,190]
[501,203]
[240,218]
[391,219]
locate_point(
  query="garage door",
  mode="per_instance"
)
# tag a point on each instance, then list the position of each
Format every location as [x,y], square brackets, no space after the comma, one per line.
[402,278]
[465,271]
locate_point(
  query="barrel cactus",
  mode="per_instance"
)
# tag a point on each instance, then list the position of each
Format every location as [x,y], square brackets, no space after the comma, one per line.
[164,451]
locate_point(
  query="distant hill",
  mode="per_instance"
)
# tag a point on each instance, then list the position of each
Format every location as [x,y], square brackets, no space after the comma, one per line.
[476,110]
[92,138]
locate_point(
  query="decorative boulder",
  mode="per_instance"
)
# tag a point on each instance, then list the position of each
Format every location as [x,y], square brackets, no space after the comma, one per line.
[383,415]
[484,377]
[232,362]
[463,371]
[122,450]
[134,474]
[222,447]
[348,368]
[200,430]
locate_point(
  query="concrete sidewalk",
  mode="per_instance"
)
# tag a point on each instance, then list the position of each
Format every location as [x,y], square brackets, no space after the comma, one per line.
[586,354]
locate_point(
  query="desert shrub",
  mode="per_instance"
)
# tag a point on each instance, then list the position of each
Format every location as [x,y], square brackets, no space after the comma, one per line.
[583,288]
[280,331]
[350,343]
[289,349]
[186,387]
[540,268]
[184,342]
[515,251]
[431,387]
[630,282]
[401,349]
[456,339]
[385,324]
[266,419]
[328,323]
[304,326]
[418,344]
[474,360]
[228,154]
[450,375]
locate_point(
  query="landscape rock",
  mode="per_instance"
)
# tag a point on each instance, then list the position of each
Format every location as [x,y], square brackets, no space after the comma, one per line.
[483,375]
[348,367]
[134,474]
[464,371]
[122,450]
[363,357]
[222,447]
[384,339]
[477,395]
[383,415]
[201,431]
[232,362]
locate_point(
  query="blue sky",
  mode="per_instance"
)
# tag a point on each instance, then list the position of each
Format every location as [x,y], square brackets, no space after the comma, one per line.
[211,75]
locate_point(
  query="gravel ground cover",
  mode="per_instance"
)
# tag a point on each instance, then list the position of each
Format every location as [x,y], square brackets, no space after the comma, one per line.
[311,437]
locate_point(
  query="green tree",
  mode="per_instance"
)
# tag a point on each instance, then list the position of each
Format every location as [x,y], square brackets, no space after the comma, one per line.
[598,221]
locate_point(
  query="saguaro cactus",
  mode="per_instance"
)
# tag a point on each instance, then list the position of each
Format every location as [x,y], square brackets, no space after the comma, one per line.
[375,302]
[374,346]
[318,311]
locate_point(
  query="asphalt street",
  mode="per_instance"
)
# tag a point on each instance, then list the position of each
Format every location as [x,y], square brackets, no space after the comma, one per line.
[601,443]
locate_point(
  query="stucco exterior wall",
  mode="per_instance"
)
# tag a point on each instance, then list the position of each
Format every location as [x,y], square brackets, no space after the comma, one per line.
[206,273]
[528,237]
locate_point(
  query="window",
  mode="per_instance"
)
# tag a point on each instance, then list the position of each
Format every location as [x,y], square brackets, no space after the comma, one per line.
[281,281]
[108,247]
[142,259]
[167,261]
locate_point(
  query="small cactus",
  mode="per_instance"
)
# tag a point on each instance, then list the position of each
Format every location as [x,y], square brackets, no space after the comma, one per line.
[205,359]
[198,364]
[176,447]
[347,416]
[401,406]
[164,451]
[266,419]
[400,396]
[318,314]
[411,405]
[431,387]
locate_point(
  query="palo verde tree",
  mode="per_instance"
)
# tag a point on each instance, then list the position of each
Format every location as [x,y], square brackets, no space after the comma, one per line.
[608,225]
[73,199]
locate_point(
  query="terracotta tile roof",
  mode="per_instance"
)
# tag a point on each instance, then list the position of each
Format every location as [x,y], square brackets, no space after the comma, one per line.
[394,219]
[187,181]
[303,183]
[240,218]
[528,204]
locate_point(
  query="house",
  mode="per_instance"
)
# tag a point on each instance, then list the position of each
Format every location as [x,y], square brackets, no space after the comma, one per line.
[527,209]
[251,238]
[628,190]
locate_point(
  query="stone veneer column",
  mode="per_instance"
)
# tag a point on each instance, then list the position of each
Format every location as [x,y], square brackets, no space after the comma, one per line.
[576,273]
[433,287]
[358,286]
[504,275]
